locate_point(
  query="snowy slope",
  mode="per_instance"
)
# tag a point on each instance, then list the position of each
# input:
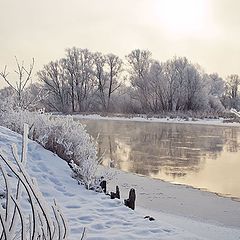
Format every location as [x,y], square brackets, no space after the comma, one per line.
[103,218]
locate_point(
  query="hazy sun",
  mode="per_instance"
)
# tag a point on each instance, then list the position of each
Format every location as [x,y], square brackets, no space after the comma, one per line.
[182,16]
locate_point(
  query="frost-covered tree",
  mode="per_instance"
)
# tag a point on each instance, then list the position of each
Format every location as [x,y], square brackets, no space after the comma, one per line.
[101,78]
[78,65]
[233,83]
[231,96]
[140,62]
[156,85]
[114,68]
[84,81]
[21,79]
[183,85]
[217,85]
[176,81]
[7,101]
[52,76]
[173,85]
[216,92]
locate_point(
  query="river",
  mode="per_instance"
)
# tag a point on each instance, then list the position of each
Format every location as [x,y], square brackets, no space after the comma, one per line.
[205,157]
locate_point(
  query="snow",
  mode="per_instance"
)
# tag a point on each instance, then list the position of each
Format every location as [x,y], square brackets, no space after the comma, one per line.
[182,206]
[215,122]
[186,213]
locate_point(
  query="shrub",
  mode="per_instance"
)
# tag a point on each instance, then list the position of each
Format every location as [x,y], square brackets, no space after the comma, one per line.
[61,135]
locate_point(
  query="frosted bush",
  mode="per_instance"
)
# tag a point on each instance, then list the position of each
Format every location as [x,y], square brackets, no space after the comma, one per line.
[61,135]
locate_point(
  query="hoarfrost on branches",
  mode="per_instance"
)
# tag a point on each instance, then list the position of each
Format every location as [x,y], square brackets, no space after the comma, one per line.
[61,135]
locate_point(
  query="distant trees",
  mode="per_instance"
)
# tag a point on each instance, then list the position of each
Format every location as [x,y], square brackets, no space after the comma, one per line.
[82,81]
[231,96]
[79,73]
[85,81]
[217,85]
[140,62]
[52,76]
[94,82]
[114,69]
[171,86]
[101,78]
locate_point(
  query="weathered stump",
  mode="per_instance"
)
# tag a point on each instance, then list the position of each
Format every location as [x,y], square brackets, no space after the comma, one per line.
[115,194]
[130,202]
[150,218]
[103,185]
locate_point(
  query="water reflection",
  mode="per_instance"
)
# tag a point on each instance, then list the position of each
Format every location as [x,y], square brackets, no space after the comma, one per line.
[173,152]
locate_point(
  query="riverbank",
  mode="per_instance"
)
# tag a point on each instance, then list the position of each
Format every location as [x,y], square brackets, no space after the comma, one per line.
[201,213]
[105,219]
[160,197]
[145,118]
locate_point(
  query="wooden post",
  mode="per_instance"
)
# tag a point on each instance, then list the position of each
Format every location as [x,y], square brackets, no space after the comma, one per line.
[115,194]
[103,185]
[130,202]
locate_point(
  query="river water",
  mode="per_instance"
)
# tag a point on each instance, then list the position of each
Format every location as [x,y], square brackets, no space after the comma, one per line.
[206,157]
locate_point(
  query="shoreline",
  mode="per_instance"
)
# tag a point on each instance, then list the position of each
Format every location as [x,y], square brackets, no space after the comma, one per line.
[227,196]
[160,197]
[209,122]
[170,121]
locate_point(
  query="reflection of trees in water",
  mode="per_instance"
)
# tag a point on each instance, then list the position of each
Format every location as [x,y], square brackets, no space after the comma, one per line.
[146,148]
[232,140]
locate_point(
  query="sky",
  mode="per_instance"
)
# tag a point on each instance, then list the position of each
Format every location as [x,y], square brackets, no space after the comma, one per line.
[207,32]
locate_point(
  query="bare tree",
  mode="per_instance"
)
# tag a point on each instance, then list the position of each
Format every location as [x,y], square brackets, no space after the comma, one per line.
[231,96]
[53,79]
[22,79]
[114,65]
[100,75]
[34,96]
[157,87]
[140,62]
[86,81]
[233,83]
[195,89]
[174,73]
[79,72]
[216,85]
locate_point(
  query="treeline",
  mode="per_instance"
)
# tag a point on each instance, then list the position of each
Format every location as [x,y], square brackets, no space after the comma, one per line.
[84,81]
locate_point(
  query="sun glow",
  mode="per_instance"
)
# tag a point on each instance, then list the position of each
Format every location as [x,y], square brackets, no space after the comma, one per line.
[182,16]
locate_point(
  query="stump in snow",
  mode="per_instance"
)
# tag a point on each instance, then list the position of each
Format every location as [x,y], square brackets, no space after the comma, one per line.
[149,218]
[115,194]
[103,185]
[130,202]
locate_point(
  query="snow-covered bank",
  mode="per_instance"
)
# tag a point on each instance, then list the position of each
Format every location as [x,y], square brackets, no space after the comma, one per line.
[109,219]
[164,197]
[216,122]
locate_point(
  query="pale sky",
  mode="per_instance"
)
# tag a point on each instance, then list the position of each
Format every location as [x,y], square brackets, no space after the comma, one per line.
[207,32]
